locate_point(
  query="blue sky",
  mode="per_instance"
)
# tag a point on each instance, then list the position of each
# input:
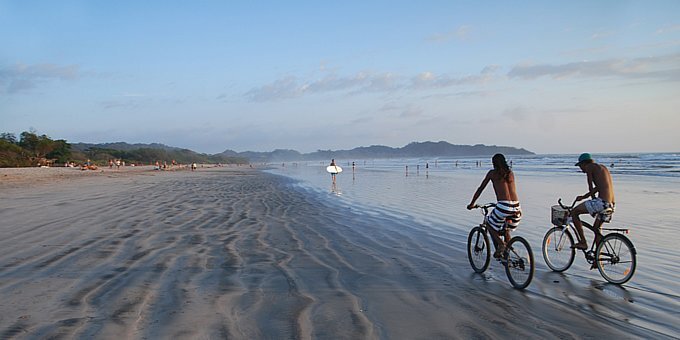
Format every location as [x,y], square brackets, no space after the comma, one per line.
[551,77]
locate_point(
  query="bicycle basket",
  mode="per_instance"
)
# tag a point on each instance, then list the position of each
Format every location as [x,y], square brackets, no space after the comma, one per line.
[558,215]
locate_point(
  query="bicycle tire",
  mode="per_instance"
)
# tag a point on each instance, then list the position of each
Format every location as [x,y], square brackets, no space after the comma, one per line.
[479,253]
[557,249]
[616,259]
[519,262]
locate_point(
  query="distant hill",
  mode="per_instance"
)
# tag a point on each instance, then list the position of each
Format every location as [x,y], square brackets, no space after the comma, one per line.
[149,153]
[415,149]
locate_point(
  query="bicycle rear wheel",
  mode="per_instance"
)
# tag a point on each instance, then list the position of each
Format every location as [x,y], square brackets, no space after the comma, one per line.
[519,262]
[615,258]
[478,249]
[557,249]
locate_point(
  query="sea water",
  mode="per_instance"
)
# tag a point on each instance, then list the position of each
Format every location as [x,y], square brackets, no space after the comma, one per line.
[434,192]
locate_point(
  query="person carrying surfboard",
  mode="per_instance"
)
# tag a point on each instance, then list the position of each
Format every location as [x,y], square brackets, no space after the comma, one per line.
[334,172]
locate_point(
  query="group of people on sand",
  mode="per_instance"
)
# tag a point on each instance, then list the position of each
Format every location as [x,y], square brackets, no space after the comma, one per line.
[508,207]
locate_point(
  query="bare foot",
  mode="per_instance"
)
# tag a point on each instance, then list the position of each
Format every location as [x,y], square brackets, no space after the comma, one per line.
[581,245]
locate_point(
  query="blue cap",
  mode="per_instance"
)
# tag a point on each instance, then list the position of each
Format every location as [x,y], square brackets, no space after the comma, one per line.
[583,157]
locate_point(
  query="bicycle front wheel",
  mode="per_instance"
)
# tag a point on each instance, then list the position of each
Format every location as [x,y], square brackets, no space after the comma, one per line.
[557,249]
[616,258]
[478,250]
[519,262]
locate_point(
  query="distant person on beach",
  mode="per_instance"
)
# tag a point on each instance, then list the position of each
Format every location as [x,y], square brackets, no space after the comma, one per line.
[333,173]
[507,206]
[600,207]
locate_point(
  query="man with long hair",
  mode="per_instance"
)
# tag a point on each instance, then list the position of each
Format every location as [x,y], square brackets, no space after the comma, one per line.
[507,206]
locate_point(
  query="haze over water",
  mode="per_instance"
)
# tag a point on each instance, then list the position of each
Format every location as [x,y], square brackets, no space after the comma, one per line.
[434,193]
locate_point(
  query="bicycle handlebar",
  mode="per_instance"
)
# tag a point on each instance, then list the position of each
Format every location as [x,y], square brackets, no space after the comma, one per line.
[484,207]
[570,208]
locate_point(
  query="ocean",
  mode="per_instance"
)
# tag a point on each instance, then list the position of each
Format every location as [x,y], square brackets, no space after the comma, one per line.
[433,193]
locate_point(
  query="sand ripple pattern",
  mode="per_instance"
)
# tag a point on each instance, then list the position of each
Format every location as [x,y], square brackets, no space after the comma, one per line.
[241,254]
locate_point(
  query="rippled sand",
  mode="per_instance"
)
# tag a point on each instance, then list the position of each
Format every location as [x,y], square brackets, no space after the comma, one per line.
[238,253]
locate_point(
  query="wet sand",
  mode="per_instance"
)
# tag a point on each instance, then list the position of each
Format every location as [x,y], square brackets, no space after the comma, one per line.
[238,253]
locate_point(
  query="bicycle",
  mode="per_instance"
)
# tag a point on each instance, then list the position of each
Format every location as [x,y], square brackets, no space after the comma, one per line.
[614,256]
[518,259]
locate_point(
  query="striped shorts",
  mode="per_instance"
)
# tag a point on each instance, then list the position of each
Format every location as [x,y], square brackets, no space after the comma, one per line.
[505,210]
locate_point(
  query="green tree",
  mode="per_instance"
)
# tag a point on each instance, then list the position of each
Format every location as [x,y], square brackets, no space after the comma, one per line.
[61,151]
[12,155]
[39,146]
[8,137]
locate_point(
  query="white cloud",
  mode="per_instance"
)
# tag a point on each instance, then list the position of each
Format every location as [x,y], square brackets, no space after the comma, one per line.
[362,82]
[668,29]
[125,103]
[19,78]
[411,112]
[461,33]
[664,68]
[601,35]
[403,111]
[290,87]
[284,88]
[430,80]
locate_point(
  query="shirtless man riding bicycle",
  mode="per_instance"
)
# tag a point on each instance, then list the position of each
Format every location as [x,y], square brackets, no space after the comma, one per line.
[507,208]
[602,206]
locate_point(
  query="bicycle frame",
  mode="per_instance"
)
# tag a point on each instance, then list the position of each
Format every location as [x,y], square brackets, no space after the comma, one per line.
[485,225]
[517,257]
[588,253]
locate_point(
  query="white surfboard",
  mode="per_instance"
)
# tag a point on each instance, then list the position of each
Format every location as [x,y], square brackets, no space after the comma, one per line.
[334,169]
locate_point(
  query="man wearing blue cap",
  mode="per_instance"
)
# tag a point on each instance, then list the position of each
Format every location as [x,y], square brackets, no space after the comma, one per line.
[602,206]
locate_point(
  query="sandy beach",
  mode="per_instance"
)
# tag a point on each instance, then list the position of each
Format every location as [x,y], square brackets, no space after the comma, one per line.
[239,253]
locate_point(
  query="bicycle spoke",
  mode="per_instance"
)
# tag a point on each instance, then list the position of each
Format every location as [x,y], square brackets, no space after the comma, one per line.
[560,242]
[616,258]
[519,266]
[478,250]
[556,249]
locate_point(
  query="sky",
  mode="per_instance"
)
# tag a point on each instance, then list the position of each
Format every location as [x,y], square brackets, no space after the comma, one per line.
[547,76]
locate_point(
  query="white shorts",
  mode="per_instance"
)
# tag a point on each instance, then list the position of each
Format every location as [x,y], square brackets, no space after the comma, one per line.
[505,210]
[597,206]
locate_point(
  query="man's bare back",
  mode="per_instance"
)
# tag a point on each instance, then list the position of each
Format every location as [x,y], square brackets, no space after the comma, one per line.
[504,188]
[600,178]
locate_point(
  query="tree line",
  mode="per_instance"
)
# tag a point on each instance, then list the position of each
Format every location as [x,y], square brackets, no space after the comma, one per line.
[31,149]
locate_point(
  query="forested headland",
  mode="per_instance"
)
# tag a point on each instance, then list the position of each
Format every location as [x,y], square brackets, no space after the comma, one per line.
[32,149]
